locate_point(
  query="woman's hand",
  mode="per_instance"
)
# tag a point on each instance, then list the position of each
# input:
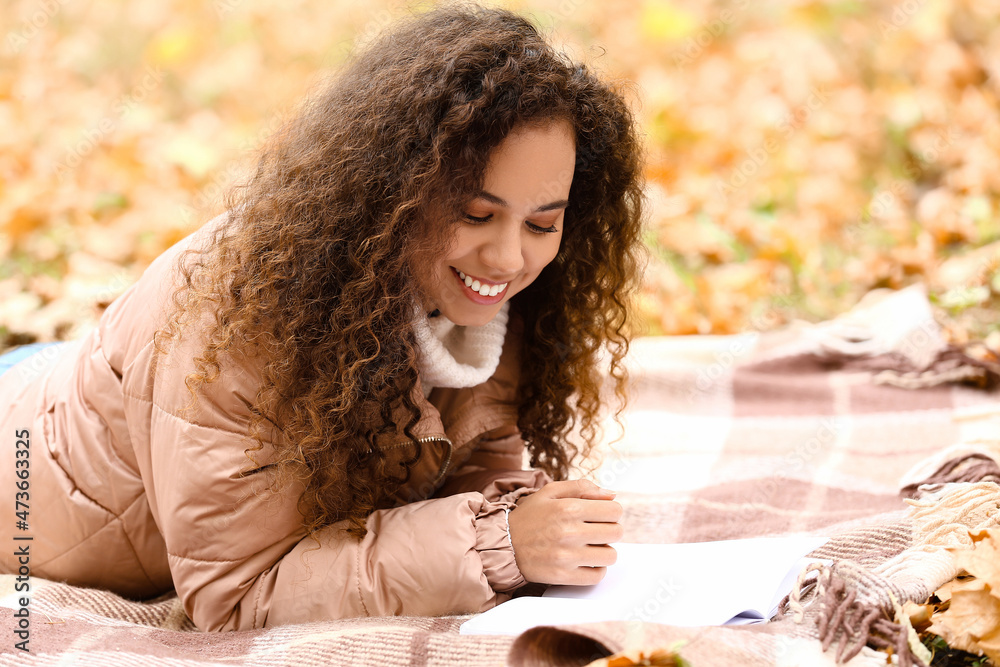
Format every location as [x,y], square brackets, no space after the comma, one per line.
[561,533]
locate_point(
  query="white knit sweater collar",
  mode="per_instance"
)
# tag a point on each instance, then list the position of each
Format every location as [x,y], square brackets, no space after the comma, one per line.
[449,355]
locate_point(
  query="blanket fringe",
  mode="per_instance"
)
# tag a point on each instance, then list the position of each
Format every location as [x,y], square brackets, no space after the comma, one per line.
[976,467]
[853,612]
[804,586]
[854,624]
[945,517]
[950,364]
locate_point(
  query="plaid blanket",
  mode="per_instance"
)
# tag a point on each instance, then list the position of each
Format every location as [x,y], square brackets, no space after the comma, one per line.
[814,428]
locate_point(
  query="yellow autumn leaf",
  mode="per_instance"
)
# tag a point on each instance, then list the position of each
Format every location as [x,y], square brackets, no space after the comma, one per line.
[664,21]
[172,46]
[971,623]
[967,583]
[636,658]
[982,561]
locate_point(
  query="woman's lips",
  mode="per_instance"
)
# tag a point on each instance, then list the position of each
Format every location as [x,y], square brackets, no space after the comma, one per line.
[473,288]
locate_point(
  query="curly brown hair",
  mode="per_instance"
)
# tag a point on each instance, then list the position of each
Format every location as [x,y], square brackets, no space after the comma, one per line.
[313,271]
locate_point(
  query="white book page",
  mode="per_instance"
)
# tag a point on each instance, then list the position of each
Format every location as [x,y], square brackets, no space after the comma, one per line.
[705,583]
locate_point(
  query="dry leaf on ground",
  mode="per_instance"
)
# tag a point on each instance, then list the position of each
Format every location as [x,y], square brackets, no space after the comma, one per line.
[970,618]
[635,658]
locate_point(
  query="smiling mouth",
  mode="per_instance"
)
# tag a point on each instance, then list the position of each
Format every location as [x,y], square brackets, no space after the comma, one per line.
[480,287]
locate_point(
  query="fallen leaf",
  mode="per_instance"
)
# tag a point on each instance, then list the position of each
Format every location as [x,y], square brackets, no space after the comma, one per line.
[971,623]
[636,658]
[983,560]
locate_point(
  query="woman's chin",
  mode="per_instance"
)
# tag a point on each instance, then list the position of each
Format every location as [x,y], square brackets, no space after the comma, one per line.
[474,315]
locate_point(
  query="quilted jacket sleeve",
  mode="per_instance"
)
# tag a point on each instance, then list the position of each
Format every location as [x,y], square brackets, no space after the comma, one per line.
[238,554]
[495,468]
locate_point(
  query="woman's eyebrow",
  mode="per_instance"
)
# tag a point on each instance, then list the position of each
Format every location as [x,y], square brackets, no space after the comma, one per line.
[551,206]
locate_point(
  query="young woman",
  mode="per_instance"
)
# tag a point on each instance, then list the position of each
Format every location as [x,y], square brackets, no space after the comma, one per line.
[317,405]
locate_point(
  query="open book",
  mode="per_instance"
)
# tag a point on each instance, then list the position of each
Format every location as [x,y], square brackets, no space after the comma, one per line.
[704,583]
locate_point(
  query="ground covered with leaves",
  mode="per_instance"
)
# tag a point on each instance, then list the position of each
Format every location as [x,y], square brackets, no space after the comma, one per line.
[799,153]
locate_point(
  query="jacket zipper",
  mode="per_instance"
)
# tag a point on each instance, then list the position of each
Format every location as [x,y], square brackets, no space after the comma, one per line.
[447,458]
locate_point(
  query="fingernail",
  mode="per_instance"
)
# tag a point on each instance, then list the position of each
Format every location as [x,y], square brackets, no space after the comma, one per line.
[614,493]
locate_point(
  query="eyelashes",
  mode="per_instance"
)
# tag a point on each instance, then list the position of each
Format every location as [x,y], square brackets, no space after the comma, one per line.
[531,226]
[542,230]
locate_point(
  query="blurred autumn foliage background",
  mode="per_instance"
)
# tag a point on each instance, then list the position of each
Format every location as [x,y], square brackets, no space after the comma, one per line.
[800,152]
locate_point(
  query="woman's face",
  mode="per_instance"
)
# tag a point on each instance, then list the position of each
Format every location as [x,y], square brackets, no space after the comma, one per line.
[511,230]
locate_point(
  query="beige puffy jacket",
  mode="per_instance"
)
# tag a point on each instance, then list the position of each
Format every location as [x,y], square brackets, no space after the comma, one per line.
[127,493]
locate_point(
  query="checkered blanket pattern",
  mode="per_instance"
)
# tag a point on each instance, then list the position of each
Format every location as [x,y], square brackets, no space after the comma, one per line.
[725,437]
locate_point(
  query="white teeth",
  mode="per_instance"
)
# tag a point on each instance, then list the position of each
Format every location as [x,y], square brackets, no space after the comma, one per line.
[482,288]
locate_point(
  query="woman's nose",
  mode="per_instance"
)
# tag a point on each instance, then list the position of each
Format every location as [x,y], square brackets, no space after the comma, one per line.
[502,251]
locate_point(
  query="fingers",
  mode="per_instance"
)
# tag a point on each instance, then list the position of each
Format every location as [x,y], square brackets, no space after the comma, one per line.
[601,511]
[575,488]
[587,575]
[588,511]
[599,494]
[562,532]
[600,556]
[604,533]
[601,528]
